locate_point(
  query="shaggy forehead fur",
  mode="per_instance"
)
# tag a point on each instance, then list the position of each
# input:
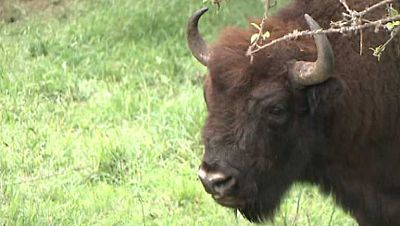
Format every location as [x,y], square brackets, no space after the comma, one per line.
[230,67]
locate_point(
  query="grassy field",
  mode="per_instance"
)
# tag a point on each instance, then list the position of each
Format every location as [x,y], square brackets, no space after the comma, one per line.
[101,109]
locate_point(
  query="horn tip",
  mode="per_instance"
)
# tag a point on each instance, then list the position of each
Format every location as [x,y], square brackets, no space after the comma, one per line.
[311,22]
[199,13]
[205,9]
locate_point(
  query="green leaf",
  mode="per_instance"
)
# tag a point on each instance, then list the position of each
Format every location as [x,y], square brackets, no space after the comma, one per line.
[256,26]
[254,38]
[377,51]
[391,25]
[266,35]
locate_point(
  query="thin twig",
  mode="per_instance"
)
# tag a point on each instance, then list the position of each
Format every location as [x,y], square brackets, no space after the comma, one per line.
[353,13]
[261,30]
[383,46]
[344,3]
[361,42]
[345,29]
[353,21]
[377,5]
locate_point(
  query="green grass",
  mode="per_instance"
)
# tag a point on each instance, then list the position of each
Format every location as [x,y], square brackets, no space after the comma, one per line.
[101,110]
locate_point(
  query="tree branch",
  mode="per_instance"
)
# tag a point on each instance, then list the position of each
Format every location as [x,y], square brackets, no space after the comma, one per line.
[353,24]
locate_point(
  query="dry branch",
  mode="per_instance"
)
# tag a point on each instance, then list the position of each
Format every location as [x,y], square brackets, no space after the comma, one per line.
[353,22]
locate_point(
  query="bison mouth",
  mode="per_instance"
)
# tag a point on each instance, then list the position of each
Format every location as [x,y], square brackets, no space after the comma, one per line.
[231,202]
[256,202]
[248,200]
[249,209]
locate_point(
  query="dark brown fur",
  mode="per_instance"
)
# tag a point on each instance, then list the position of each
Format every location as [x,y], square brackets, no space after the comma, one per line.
[343,135]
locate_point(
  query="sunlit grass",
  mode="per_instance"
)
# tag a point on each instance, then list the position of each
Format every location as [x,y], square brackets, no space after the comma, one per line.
[101,110]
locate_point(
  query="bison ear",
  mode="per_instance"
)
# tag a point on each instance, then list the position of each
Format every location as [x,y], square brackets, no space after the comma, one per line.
[321,97]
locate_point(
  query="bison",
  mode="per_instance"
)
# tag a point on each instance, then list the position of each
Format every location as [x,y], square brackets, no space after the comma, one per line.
[310,110]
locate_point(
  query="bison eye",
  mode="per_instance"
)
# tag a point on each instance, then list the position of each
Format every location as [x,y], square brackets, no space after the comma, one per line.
[277,110]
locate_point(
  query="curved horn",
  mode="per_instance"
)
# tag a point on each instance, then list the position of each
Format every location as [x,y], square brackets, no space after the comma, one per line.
[196,43]
[311,73]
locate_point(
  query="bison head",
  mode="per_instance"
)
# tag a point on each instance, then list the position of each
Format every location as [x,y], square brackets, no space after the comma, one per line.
[266,118]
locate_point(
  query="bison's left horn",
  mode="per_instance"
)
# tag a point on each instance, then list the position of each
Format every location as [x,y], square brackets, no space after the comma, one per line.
[196,43]
[311,73]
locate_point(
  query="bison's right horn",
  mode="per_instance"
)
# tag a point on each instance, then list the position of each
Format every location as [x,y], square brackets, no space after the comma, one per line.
[312,73]
[196,43]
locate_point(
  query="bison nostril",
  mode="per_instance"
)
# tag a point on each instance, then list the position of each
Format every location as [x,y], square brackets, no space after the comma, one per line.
[223,184]
[216,182]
